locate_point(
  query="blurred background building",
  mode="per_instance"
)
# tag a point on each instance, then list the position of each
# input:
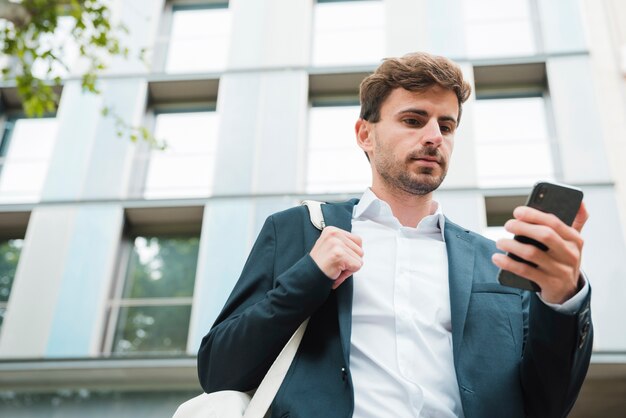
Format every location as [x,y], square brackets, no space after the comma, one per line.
[115,258]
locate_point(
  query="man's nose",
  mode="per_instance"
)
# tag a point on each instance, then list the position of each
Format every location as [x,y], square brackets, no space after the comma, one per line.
[431,133]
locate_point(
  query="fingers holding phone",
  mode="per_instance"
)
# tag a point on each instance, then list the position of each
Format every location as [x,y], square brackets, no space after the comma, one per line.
[555,270]
[545,253]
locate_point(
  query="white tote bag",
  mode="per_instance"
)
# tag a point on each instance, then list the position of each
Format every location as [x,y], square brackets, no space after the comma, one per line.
[233,404]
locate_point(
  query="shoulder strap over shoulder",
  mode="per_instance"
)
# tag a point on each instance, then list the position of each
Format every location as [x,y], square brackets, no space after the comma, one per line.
[315,212]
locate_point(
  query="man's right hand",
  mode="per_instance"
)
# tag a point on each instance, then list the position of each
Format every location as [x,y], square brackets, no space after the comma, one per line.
[338,254]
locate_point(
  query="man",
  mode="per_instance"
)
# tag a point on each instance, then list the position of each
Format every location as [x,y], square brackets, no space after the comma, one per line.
[407,316]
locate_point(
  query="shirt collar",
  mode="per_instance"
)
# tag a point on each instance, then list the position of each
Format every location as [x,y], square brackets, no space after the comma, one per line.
[370,207]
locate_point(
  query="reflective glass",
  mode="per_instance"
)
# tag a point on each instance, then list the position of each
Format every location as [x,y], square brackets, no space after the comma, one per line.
[348,33]
[26,152]
[496,29]
[199,40]
[162,267]
[513,147]
[185,167]
[152,330]
[10,251]
[335,163]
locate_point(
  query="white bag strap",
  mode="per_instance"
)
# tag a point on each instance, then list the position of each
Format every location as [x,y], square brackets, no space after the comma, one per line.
[267,390]
[315,213]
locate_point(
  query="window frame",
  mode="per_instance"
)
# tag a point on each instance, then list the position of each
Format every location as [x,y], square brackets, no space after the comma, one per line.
[162,42]
[187,222]
[143,154]
[522,92]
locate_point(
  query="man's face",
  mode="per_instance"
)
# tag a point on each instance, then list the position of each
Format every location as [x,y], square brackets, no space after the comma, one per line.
[410,146]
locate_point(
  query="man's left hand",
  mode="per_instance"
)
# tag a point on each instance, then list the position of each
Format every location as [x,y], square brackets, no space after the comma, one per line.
[558,269]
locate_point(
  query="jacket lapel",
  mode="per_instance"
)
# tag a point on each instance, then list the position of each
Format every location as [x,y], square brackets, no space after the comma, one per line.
[340,216]
[459,244]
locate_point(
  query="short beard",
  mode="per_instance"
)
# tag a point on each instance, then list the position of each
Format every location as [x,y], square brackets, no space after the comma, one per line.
[403,180]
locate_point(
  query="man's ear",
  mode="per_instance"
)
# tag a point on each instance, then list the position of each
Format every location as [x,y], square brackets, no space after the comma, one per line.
[364,135]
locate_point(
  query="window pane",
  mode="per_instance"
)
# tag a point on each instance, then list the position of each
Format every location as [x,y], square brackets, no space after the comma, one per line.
[512,142]
[27,149]
[185,167]
[495,28]
[199,40]
[348,33]
[162,267]
[152,329]
[335,163]
[9,256]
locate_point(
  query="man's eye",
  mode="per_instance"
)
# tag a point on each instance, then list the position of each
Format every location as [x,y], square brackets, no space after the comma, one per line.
[411,122]
[445,129]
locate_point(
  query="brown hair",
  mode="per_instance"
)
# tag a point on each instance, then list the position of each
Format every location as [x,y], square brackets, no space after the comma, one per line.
[417,71]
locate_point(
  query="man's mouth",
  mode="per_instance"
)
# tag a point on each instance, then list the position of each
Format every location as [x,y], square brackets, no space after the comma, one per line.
[426,159]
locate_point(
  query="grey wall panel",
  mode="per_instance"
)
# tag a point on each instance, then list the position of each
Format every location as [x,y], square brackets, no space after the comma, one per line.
[280,132]
[111,160]
[270,33]
[79,117]
[445,25]
[34,297]
[462,170]
[603,256]
[262,119]
[577,120]
[561,26]
[78,320]
[238,106]
[406,29]
[227,229]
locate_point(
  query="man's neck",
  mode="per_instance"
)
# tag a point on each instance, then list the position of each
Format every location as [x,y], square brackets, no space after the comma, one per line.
[408,208]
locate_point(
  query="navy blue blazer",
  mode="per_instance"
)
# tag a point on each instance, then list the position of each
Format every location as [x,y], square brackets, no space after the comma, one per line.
[513,355]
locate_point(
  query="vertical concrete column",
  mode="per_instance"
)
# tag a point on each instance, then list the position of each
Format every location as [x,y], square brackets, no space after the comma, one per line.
[78,320]
[270,34]
[562,29]
[34,296]
[406,27]
[605,40]
[462,171]
[446,24]
[577,120]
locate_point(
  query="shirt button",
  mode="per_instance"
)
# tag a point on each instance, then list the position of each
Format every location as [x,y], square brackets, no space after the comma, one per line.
[344,374]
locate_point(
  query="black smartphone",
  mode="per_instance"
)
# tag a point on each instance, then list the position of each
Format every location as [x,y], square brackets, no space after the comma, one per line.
[561,200]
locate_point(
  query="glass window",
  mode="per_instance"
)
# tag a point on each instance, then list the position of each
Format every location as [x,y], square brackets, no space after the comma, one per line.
[335,163]
[199,38]
[497,28]
[499,209]
[25,153]
[348,32]
[185,167]
[151,314]
[513,147]
[10,251]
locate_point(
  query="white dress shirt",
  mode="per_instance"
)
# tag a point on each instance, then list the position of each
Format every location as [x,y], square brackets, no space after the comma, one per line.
[401,356]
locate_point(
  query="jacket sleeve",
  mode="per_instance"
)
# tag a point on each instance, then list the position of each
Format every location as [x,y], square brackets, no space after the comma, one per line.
[556,357]
[261,314]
